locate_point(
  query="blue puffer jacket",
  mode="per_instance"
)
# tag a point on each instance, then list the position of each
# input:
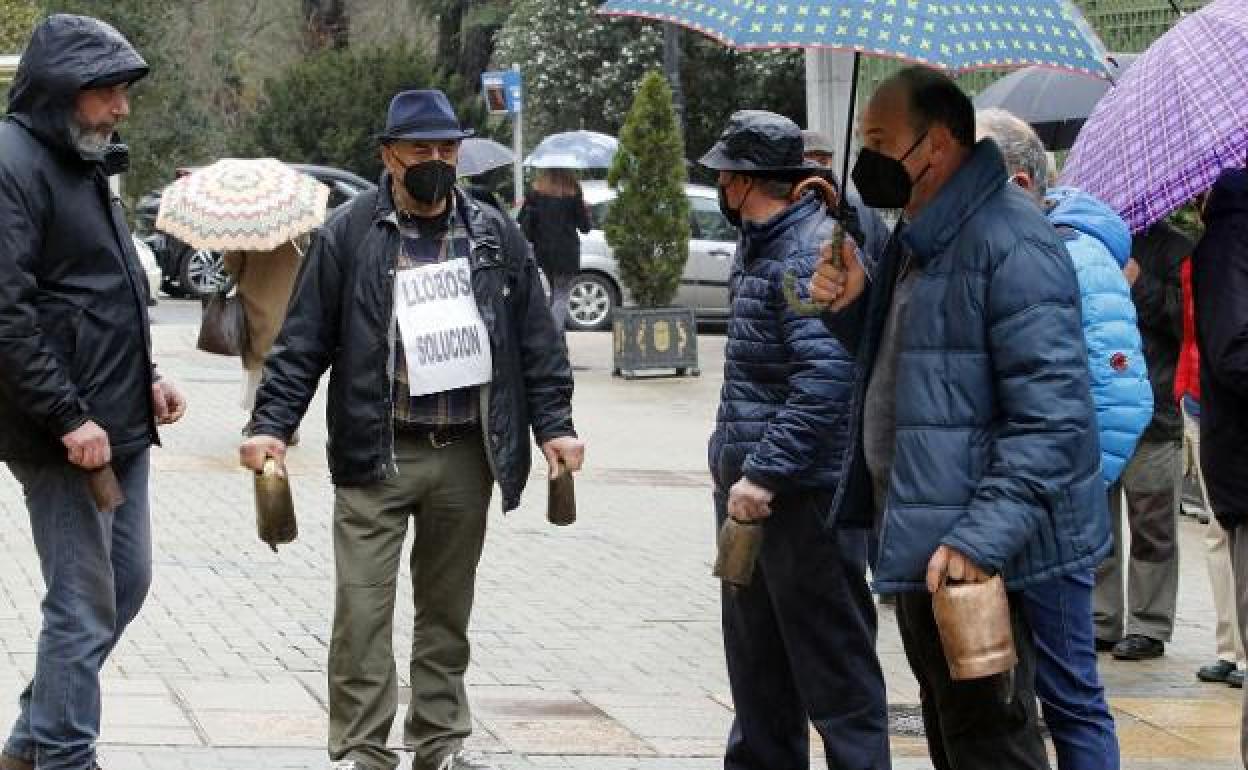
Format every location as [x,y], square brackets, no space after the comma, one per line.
[996,448]
[783,418]
[1099,244]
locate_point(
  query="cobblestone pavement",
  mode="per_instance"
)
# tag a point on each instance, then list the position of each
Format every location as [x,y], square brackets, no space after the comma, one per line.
[596,647]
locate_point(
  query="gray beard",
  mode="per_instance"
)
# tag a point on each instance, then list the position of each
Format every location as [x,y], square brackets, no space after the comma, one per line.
[89,141]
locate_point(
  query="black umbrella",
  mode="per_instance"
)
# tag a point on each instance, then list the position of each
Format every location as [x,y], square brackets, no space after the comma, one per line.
[477,156]
[1054,102]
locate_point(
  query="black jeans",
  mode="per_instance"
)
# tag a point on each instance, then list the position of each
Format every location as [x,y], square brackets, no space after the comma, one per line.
[978,724]
[800,643]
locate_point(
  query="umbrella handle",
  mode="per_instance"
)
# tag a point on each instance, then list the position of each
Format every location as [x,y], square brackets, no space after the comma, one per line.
[821,186]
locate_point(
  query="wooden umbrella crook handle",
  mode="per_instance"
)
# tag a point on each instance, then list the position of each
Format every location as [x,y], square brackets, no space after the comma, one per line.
[831,199]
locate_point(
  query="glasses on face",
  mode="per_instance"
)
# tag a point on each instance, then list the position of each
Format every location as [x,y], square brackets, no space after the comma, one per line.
[417,152]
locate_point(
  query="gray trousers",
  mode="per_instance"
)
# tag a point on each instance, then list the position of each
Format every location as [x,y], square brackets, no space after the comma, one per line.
[1237,540]
[1151,485]
[560,291]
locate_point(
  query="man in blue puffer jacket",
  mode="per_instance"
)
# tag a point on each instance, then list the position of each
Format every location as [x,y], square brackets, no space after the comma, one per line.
[1060,611]
[800,639]
[978,431]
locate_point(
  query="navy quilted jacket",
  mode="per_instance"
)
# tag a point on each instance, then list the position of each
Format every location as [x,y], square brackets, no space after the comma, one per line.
[784,410]
[997,452]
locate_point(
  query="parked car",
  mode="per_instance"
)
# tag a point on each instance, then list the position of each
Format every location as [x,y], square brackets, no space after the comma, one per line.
[151,269]
[704,286]
[195,272]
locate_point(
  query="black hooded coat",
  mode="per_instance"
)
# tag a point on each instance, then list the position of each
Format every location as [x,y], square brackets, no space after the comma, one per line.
[74,338]
[1220,294]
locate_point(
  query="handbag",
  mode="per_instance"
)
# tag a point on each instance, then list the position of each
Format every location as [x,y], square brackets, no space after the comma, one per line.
[223,327]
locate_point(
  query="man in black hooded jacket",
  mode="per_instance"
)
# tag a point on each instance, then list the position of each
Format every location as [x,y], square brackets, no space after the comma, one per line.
[1219,286]
[78,391]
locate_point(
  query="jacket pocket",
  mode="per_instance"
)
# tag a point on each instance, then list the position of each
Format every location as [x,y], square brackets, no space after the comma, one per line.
[977,457]
[1083,515]
[61,324]
[909,537]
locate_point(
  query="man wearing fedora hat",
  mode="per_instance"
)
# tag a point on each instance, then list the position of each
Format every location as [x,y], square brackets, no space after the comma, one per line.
[800,639]
[425,305]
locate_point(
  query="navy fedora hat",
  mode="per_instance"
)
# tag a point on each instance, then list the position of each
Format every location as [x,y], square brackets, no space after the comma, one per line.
[422,115]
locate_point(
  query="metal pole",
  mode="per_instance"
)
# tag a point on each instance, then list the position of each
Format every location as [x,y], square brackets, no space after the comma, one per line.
[849,124]
[827,90]
[671,67]
[517,147]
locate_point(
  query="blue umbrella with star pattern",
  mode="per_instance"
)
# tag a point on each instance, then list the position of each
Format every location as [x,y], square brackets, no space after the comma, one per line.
[953,36]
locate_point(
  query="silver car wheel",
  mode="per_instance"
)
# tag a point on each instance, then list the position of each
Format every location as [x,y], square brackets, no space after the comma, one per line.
[205,272]
[589,302]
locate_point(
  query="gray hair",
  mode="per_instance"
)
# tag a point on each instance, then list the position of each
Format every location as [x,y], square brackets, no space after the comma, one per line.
[1019,143]
[779,189]
[771,186]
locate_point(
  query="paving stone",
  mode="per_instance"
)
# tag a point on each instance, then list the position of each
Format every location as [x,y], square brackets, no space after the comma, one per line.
[284,695]
[566,736]
[130,711]
[263,728]
[150,735]
[1170,712]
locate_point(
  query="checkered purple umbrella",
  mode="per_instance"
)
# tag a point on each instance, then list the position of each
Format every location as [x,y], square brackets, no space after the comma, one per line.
[1175,121]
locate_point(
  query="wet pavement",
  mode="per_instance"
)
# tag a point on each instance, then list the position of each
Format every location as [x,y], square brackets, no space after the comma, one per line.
[596,647]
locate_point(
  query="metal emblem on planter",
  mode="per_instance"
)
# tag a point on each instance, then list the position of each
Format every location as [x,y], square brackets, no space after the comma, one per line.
[662,336]
[659,340]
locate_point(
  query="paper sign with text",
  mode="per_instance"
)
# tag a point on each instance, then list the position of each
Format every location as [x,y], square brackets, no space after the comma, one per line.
[444,338]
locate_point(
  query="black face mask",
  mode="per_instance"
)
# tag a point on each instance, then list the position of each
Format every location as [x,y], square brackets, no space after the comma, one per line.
[430,181]
[732,215]
[883,182]
[116,159]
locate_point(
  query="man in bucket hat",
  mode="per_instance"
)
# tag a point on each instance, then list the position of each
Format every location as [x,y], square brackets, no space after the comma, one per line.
[800,639]
[427,308]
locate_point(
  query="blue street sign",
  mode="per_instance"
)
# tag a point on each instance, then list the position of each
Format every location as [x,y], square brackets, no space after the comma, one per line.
[503,90]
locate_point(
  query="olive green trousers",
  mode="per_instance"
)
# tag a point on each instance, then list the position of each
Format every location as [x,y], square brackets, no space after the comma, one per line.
[444,493]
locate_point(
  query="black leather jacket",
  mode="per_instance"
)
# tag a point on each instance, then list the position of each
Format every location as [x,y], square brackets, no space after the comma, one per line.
[340,319]
[74,339]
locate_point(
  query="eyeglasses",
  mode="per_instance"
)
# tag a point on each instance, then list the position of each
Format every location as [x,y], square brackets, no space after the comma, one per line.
[415,151]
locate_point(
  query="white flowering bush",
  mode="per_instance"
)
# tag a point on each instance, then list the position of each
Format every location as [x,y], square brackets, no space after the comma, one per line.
[580,69]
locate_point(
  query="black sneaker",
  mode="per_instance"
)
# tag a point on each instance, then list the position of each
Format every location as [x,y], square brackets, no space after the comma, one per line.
[1216,672]
[1139,647]
[1104,645]
[1236,679]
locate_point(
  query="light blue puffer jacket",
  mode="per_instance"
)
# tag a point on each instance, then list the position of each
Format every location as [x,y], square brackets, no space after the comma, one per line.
[1099,244]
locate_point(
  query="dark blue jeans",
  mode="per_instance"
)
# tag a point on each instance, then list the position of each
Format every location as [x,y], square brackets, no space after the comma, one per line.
[1067,683]
[800,643]
[96,569]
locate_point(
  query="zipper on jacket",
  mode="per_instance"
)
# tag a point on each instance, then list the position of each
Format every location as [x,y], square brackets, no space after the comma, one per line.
[392,334]
[486,394]
[483,308]
[122,236]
